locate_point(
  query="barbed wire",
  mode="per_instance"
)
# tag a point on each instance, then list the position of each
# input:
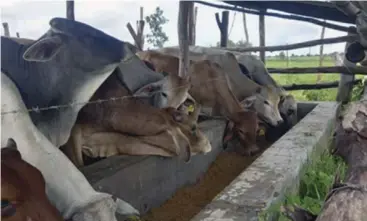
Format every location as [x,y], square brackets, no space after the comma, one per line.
[100,101]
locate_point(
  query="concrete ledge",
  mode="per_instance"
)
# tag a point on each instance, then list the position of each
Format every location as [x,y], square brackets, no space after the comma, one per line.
[276,170]
[148,181]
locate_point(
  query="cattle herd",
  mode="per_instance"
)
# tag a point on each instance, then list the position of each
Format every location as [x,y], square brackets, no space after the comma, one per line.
[78,93]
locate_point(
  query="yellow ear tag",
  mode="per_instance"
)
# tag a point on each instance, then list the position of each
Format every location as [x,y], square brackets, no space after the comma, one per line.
[261,132]
[191,108]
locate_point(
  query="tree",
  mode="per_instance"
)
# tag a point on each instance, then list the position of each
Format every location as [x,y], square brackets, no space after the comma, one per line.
[156,20]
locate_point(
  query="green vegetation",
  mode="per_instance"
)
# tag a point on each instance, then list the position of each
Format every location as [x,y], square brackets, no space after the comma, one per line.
[314,185]
[307,61]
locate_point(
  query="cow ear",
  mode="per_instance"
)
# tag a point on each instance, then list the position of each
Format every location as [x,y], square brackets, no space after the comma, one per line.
[10,149]
[44,49]
[11,144]
[249,102]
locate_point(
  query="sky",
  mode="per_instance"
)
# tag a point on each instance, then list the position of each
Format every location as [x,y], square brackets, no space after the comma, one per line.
[30,19]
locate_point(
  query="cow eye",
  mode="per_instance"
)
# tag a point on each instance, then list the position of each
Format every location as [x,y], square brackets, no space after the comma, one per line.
[290,112]
[164,94]
[266,102]
[7,208]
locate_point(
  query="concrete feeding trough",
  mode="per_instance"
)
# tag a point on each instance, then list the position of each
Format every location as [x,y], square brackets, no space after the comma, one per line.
[148,182]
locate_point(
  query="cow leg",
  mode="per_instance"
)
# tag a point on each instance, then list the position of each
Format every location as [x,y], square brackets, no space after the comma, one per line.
[73,148]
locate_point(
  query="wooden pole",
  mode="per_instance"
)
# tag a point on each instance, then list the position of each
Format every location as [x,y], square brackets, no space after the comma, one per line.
[345,87]
[223,27]
[297,45]
[192,24]
[6,29]
[321,54]
[334,84]
[245,27]
[134,35]
[140,29]
[183,35]
[352,70]
[70,9]
[262,35]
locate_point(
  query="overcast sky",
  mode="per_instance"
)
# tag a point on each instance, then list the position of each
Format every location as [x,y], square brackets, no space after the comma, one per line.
[30,19]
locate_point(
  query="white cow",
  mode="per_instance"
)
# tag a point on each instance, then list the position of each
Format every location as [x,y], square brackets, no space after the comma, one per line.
[66,186]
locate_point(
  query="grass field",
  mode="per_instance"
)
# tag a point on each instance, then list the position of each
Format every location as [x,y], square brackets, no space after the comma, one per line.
[313,61]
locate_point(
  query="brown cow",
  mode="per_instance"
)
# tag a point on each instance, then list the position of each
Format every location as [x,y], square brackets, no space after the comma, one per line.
[127,115]
[182,139]
[23,194]
[210,89]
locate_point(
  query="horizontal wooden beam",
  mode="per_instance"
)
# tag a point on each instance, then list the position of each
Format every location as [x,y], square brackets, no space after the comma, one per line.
[291,17]
[305,44]
[325,70]
[334,84]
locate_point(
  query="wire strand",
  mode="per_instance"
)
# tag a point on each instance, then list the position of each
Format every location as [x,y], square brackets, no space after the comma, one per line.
[99,101]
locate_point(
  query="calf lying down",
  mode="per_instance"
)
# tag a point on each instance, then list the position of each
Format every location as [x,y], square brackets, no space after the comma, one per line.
[137,128]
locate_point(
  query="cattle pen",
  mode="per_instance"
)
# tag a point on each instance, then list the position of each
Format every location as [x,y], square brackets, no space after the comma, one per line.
[161,188]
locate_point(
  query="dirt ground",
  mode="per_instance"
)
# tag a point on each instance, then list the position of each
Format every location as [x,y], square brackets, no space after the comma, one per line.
[188,201]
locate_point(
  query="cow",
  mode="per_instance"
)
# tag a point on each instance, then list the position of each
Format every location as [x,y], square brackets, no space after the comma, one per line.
[67,64]
[209,89]
[23,189]
[254,70]
[95,141]
[241,86]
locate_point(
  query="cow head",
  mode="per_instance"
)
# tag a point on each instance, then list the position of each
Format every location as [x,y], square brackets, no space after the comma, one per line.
[245,128]
[288,109]
[171,91]
[23,194]
[265,102]
[87,47]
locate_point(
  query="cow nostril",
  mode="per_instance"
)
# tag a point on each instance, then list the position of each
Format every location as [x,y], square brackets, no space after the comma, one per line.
[280,122]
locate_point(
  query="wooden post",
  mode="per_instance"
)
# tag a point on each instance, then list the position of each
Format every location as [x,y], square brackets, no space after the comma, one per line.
[262,34]
[6,29]
[192,24]
[245,27]
[345,86]
[223,27]
[138,36]
[18,35]
[140,29]
[70,9]
[287,57]
[319,75]
[183,37]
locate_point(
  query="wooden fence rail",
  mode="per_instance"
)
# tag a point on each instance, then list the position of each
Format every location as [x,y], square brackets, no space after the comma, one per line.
[304,44]
[325,70]
[318,86]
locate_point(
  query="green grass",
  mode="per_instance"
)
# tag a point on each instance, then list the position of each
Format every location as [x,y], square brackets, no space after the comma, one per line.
[314,186]
[316,183]
[306,95]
